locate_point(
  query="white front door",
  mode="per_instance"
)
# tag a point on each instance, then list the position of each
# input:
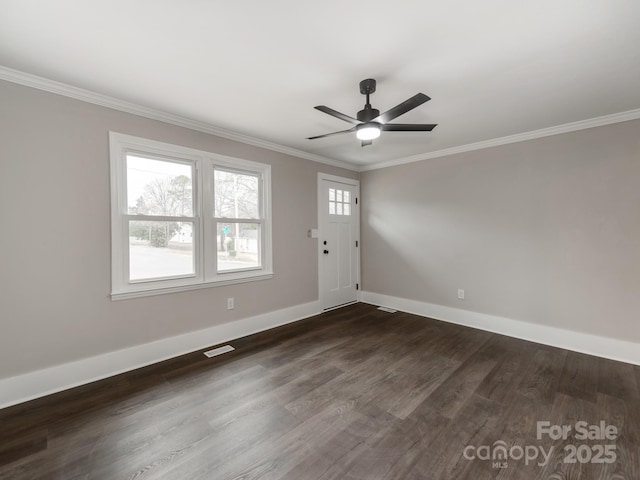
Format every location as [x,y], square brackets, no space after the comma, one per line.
[339,227]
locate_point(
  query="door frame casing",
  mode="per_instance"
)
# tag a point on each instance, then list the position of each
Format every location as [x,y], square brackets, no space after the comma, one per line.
[356,218]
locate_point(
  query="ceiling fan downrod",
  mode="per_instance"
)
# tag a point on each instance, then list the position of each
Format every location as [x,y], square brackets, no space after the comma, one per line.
[367,87]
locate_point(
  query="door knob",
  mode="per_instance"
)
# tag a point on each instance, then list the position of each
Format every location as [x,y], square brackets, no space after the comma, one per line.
[326,252]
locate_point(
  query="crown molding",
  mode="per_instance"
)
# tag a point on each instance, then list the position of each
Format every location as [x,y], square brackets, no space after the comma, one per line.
[519,137]
[59,88]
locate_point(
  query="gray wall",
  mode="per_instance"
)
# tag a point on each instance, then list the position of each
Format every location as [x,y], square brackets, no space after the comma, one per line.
[55,235]
[545,231]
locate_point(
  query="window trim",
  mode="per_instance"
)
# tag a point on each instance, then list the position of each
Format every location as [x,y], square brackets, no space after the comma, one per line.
[203,167]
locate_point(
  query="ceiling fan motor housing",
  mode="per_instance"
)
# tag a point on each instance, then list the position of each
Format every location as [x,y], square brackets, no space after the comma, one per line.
[368,113]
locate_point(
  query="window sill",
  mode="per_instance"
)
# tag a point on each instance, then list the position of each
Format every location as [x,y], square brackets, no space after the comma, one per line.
[125,295]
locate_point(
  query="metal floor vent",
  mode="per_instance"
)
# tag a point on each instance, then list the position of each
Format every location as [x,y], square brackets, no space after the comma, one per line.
[387,309]
[219,351]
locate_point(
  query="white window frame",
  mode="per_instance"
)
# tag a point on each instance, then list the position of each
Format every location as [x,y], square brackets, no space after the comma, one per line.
[204,233]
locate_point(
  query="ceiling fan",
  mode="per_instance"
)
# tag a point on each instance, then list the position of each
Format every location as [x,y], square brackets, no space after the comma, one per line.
[370,123]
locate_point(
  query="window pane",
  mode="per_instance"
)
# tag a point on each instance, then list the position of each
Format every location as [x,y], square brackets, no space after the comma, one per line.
[339,195]
[332,194]
[332,208]
[238,246]
[157,187]
[346,197]
[160,249]
[236,195]
[339,205]
[347,209]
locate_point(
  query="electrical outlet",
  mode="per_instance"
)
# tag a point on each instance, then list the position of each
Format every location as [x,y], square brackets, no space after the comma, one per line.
[230,303]
[460,294]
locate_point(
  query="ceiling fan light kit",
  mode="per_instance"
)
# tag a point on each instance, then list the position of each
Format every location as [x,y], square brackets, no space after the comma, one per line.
[369,123]
[368,131]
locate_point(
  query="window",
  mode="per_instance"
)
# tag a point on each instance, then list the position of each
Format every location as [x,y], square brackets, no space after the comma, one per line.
[160,221]
[184,219]
[238,219]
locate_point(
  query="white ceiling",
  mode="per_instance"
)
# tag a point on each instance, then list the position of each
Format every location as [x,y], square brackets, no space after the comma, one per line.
[492,68]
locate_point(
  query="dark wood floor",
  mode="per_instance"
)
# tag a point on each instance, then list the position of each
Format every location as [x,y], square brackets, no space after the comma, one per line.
[352,394]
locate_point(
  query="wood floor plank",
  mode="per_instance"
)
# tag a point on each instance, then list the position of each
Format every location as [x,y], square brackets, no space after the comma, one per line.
[567,410]
[498,385]
[417,382]
[23,445]
[444,458]
[616,411]
[391,451]
[452,394]
[617,379]
[577,378]
[232,440]
[352,394]
[274,460]
[333,459]
[541,379]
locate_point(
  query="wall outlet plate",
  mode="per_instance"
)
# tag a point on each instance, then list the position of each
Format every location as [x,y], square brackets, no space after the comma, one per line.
[460,294]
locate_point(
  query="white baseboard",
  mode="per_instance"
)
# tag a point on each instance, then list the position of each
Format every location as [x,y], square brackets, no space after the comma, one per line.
[28,386]
[605,347]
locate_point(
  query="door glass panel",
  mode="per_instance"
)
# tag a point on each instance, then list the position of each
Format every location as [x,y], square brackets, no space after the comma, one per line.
[339,202]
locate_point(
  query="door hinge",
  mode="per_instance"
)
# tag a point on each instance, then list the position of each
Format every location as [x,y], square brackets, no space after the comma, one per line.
[356,243]
[357,286]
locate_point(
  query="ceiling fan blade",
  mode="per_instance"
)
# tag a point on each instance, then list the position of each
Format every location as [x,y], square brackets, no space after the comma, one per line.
[407,127]
[402,108]
[334,113]
[366,142]
[330,134]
